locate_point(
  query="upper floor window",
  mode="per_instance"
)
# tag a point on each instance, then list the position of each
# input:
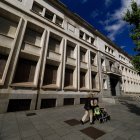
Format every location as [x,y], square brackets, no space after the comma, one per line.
[70,51]
[37,8]
[82,55]
[81,35]
[54,43]
[49,15]
[59,21]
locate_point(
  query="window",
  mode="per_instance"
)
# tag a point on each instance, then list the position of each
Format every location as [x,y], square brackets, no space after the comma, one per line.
[93,59]
[68,77]
[49,15]
[82,55]
[54,44]
[25,71]
[59,21]
[92,40]
[93,80]
[82,79]
[8,27]
[37,8]
[104,84]
[70,51]
[87,38]
[50,76]
[33,37]
[81,35]
[3,60]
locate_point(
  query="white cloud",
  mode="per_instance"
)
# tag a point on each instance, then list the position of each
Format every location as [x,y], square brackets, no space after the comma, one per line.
[114,23]
[84,1]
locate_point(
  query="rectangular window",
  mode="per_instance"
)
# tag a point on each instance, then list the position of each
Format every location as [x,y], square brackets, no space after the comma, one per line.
[81,35]
[25,71]
[18,105]
[59,21]
[3,60]
[33,37]
[48,103]
[92,40]
[50,76]
[68,101]
[93,59]
[82,79]
[82,55]
[104,84]
[8,27]
[68,77]
[70,51]
[93,80]
[37,8]
[54,44]
[49,15]
[87,38]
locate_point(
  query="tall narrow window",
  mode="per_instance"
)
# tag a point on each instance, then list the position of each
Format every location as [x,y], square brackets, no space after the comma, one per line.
[54,44]
[92,40]
[59,21]
[93,59]
[82,55]
[3,60]
[68,77]
[37,8]
[93,80]
[50,76]
[70,51]
[81,35]
[49,15]
[82,79]
[25,71]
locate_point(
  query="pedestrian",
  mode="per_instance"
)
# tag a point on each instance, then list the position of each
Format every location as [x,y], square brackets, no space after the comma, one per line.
[88,109]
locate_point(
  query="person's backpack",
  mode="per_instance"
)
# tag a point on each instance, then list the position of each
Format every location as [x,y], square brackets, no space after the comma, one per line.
[97,111]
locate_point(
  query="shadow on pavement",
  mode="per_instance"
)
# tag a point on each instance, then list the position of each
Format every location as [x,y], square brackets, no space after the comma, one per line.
[132,107]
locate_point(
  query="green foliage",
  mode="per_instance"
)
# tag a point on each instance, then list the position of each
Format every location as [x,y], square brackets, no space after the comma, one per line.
[132,16]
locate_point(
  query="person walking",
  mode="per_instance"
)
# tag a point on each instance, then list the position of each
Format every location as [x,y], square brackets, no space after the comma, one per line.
[88,110]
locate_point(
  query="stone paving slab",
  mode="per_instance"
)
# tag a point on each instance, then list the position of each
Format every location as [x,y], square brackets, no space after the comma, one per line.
[48,124]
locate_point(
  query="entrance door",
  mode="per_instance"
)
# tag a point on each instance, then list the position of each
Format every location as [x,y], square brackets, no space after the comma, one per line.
[113,83]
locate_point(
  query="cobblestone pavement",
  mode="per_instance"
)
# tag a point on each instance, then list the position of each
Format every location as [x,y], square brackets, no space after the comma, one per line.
[48,124]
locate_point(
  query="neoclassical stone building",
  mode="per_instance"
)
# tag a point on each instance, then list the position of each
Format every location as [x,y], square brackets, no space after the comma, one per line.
[51,57]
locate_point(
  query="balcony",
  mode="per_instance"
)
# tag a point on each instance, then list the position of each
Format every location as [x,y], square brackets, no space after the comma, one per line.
[6,41]
[113,70]
[83,64]
[29,47]
[71,61]
[94,68]
[54,55]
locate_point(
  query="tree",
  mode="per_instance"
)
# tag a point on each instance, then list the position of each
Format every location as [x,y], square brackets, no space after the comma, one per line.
[132,16]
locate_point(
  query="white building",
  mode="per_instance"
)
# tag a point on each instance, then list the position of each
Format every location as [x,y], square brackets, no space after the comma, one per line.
[51,57]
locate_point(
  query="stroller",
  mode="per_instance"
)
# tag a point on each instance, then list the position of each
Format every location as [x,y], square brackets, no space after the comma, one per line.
[101,115]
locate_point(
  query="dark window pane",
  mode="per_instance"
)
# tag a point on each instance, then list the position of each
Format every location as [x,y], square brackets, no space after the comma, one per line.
[82,79]
[3,60]
[25,71]
[50,75]
[68,77]
[18,105]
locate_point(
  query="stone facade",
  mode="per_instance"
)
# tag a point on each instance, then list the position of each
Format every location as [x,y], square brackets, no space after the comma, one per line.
[51,57]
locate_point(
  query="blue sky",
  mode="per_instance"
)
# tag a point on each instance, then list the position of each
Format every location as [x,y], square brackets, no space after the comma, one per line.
[105,16]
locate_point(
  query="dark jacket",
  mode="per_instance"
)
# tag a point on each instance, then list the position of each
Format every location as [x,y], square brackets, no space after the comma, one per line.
[87,105]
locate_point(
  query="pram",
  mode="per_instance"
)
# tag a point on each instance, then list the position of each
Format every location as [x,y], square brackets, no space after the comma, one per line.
[101,115]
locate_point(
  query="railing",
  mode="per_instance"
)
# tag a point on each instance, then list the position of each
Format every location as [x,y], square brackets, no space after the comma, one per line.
[111,70]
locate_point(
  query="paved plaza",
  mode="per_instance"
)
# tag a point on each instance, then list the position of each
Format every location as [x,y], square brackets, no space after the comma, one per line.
[49,124]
